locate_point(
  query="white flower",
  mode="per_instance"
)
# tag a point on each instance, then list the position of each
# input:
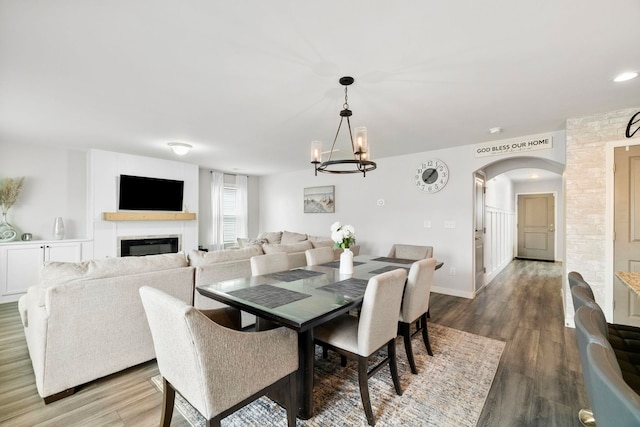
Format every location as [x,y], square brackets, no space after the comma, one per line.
[342,236]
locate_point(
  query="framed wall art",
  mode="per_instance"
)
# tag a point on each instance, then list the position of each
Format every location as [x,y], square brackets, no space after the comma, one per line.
[319,199]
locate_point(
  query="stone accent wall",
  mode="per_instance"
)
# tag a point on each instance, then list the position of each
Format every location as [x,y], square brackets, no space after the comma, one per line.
[585,193]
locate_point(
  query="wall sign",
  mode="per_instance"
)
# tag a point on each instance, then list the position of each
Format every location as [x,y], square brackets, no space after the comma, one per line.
[633,121]
[495,148]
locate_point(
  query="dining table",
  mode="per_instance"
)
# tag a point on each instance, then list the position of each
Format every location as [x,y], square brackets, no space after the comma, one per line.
[301,299]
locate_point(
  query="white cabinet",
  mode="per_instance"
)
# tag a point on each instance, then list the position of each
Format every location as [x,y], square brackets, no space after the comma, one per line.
[20,263]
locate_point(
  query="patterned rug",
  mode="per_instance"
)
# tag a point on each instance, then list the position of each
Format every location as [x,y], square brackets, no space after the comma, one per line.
[449,390]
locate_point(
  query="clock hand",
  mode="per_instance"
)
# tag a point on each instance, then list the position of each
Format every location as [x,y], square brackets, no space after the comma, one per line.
[433,171]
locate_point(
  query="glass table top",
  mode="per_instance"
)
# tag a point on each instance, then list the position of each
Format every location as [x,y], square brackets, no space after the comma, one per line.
[308,296]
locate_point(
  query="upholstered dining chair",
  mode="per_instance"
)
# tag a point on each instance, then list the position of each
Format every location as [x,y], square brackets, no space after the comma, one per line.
[415,305]
[359,338]
[320,255]
[269,263]
[410,252]
[216,369]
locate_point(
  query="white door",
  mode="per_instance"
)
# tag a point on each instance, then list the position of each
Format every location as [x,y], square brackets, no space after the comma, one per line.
[626,247]
[536,229]
[479,230]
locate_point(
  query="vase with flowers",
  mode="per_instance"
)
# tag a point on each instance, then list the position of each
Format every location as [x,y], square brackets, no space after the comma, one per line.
[344,236]
[10,189]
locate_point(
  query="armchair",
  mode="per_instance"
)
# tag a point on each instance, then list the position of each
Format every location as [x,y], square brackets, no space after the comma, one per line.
[216,369]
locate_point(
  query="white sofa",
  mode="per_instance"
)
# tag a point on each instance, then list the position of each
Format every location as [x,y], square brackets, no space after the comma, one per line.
[85,320]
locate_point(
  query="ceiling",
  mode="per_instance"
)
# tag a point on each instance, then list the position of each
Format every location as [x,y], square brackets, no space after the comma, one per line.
[251,83]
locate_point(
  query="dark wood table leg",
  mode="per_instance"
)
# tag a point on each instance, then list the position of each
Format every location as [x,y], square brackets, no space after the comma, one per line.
[306,355]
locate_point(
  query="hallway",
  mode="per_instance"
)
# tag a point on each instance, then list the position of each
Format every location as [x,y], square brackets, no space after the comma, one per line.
[538,382]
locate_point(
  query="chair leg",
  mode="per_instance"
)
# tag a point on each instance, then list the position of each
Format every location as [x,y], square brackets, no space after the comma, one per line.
[363,381]
[405,331]
[291,399]
[425,335]
[343,361]
[393,366]
[168,398]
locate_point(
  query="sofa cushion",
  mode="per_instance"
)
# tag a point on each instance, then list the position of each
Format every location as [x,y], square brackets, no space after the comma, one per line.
[271,236]
[291,237]
[56,272]
[198,258]
[270,248]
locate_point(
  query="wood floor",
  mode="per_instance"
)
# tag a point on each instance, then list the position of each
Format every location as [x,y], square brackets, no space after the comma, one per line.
[538,382]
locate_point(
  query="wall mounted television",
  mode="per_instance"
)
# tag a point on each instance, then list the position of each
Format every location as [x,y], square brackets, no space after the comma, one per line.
[139,193]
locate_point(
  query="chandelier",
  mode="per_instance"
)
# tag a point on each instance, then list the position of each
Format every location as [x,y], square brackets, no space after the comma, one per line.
[360,163]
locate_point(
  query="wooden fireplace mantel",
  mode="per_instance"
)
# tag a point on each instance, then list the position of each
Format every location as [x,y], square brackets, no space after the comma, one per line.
[148,216]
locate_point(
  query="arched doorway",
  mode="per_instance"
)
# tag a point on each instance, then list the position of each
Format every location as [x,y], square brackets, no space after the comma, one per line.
[505,180]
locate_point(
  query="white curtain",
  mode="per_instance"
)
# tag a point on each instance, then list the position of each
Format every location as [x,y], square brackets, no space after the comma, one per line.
[217,210]
[241,206]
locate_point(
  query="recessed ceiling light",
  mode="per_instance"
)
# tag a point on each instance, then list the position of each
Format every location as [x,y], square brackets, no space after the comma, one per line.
[495,130]
[623,77]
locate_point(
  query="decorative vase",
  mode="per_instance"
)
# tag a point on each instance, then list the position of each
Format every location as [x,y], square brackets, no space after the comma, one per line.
[7,231]
[58,228]
[346,262]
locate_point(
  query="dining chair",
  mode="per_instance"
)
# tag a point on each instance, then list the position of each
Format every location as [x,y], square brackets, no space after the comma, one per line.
[415,305]
[319,255]
[413,252]
[267,264]
[360,338]
[216,369]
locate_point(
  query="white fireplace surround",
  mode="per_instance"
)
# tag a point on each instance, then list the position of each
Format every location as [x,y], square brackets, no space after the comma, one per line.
[103,169]
[149,245]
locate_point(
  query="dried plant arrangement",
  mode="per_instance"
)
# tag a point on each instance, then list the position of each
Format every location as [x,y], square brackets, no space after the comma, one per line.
[10,189]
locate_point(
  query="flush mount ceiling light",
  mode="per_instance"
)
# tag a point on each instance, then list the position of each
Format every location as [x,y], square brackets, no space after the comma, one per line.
[180,148]
[495,130]
[623,77]
[361,162]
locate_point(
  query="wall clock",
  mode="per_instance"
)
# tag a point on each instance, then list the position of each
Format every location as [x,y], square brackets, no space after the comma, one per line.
[432,176]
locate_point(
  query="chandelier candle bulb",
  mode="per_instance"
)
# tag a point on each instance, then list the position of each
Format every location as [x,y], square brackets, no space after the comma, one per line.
[362,147]
[316,151]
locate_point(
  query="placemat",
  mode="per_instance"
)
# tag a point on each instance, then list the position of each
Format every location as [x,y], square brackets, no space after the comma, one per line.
[336,264]
[352,288]
[388,268]
[268,296]
[396,260]
[293,275]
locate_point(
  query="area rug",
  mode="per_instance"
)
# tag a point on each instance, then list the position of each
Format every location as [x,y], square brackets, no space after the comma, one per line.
[449,390]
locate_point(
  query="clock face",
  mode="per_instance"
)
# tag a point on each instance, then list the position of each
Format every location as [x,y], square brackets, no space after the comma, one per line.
[431,176]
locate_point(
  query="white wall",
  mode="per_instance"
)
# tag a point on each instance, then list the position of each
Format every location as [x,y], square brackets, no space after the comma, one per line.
[499,224]
[55,185]
[405,209]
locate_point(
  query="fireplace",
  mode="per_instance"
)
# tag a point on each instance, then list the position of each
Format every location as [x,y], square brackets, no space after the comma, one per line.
[149,245]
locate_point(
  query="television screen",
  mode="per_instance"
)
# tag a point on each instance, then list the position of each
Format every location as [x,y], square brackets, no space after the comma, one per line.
[138,193]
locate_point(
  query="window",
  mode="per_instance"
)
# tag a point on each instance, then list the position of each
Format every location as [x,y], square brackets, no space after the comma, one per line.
[230,216]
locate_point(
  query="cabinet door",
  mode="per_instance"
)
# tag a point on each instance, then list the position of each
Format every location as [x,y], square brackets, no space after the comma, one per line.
[21,267]
[67,252]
